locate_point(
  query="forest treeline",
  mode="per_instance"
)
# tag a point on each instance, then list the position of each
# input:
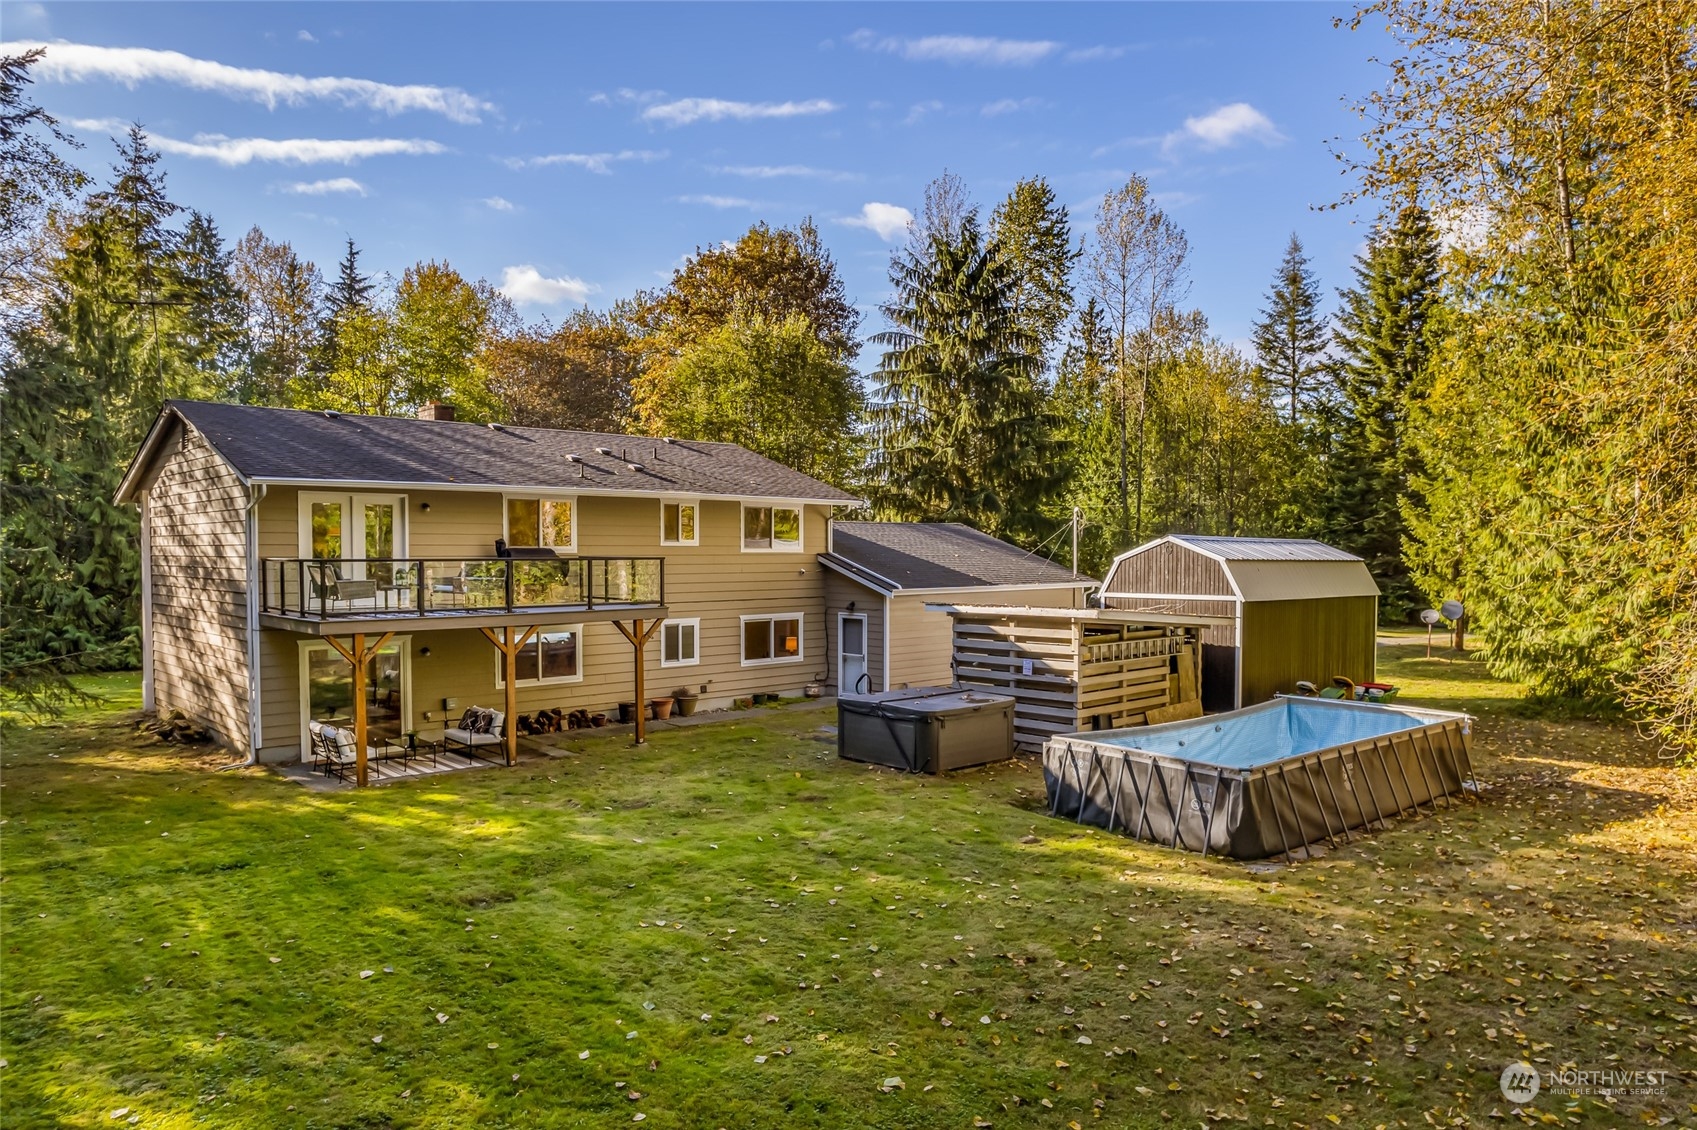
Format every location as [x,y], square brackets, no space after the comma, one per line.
[1499,404]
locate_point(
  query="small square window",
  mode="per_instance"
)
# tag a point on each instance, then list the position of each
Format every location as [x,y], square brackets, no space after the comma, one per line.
[680,643]
[678,523]
[771,527]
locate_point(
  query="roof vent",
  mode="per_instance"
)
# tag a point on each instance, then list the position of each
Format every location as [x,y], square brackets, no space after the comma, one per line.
[603,451]
[635,466]
[667,439]
[574,458]
[494,427]
[332,414]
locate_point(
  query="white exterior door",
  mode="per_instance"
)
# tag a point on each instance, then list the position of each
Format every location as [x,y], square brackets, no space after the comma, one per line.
[851,655]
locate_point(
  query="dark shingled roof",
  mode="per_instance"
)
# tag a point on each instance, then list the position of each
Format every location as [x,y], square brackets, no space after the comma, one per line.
[938,555]
[286,444]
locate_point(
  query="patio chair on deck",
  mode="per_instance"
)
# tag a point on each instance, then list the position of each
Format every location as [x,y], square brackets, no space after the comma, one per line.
[329,585]
[480,729]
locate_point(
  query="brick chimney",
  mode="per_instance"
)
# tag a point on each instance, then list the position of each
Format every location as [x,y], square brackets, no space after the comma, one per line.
[436,410]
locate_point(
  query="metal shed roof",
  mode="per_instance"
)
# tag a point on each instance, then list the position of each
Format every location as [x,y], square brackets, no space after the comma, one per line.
[1261,569]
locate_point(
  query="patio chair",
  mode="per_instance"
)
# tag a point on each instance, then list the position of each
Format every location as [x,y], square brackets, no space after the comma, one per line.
[335,750]
[328,584]
[480,729]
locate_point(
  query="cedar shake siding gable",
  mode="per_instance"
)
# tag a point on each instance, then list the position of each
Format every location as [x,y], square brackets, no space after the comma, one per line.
[198,604]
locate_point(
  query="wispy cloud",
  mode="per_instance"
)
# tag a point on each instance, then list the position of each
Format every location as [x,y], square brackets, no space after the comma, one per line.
[889,221]
[292,150]
[131,66]
[305,36]
[919,110]
[719,201]
[978,50]
[601,163]
[1009,106]
[1224,128]
[772,172]
[1098,54]
[334,185]
[498,204]
[528,286]
[627,95]
[686,111]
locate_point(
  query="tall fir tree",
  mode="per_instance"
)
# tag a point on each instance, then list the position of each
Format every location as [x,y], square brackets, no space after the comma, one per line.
[1032,229]
[1290,336]
[1384,346]
[214,314]
[960,425]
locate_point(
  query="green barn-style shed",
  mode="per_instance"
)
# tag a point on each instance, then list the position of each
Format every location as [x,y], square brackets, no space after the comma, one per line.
[1299,609]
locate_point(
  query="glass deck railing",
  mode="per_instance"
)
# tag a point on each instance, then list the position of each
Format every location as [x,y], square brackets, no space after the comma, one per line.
[324,588]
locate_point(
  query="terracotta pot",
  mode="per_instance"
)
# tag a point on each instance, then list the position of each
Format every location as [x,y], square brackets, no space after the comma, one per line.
[662,709]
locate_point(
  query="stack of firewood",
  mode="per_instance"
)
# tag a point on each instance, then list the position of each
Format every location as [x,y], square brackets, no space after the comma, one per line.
[555,720]
[175,726]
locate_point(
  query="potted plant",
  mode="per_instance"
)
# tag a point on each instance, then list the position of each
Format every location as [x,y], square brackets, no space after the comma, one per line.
[662,708]
[685,700]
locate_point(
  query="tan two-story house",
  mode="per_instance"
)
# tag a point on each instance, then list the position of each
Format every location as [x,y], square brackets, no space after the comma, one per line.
[280,546]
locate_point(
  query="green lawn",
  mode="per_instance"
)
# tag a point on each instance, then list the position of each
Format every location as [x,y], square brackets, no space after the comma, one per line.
[733,928]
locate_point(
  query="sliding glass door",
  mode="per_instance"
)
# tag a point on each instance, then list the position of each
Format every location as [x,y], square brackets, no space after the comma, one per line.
[327,691]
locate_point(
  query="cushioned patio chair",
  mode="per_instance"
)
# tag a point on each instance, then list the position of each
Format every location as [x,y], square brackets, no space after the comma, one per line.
[479,729]
[329,585]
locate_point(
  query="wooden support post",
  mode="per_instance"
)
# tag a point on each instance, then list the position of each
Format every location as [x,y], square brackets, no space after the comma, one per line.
[508,645]
[358,655]
[639,640]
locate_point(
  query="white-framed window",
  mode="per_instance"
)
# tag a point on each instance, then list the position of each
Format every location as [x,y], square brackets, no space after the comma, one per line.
[771,639]
[680,643]
[352,527]
[532,522]
[553,655]
[771,528]
[680,521]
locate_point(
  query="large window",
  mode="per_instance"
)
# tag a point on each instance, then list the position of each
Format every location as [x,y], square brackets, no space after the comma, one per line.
[552,655]
[771,639]
[354,529]
[680,643]
[678,523]
[771,527]
[541,523]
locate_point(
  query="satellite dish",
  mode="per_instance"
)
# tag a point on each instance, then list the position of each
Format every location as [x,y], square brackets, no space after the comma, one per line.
[1451,609]
[1430,616]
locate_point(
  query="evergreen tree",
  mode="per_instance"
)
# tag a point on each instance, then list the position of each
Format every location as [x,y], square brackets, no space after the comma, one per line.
[1084,390]
[1290,337]
[33,178]
[282,294]
[214,316]
[960,424]
[351,289]
[1032,229]
[1384,346]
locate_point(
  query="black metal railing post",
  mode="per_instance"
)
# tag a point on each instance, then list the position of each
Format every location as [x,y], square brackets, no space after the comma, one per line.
[509,570]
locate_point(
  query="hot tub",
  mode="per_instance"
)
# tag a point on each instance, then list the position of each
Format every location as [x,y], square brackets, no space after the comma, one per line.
[1265,780]
[926,729]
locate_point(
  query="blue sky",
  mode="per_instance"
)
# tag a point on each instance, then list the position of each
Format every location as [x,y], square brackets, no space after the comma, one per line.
[577,153]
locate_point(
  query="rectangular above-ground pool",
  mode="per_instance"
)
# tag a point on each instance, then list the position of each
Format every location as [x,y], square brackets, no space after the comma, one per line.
[1265,780]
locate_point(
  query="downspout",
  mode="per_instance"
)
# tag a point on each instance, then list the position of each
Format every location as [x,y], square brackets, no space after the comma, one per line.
[886,641]
[255,729]
[147,701]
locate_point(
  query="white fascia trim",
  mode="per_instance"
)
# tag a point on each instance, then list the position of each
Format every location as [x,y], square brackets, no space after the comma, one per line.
[859,575]
[377,487]
[1079,584]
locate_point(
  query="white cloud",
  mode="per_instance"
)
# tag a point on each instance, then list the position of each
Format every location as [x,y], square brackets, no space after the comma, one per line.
[626,94]
[686,111]
[769,172]
[325,187]
[80,62]
[719,201]
[601,163]
[919,110]
[889,221]
[1097,54]
[306,36]
[498,204]
[528,286]
[1009,106]
[1225,127]
[976,49]
[292,150]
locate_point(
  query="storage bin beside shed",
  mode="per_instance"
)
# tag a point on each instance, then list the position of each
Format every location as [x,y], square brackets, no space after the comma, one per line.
[925,729]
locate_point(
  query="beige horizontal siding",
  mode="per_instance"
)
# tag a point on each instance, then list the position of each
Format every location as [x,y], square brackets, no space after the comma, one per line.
[840,591]
[198,546]
[715,581]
